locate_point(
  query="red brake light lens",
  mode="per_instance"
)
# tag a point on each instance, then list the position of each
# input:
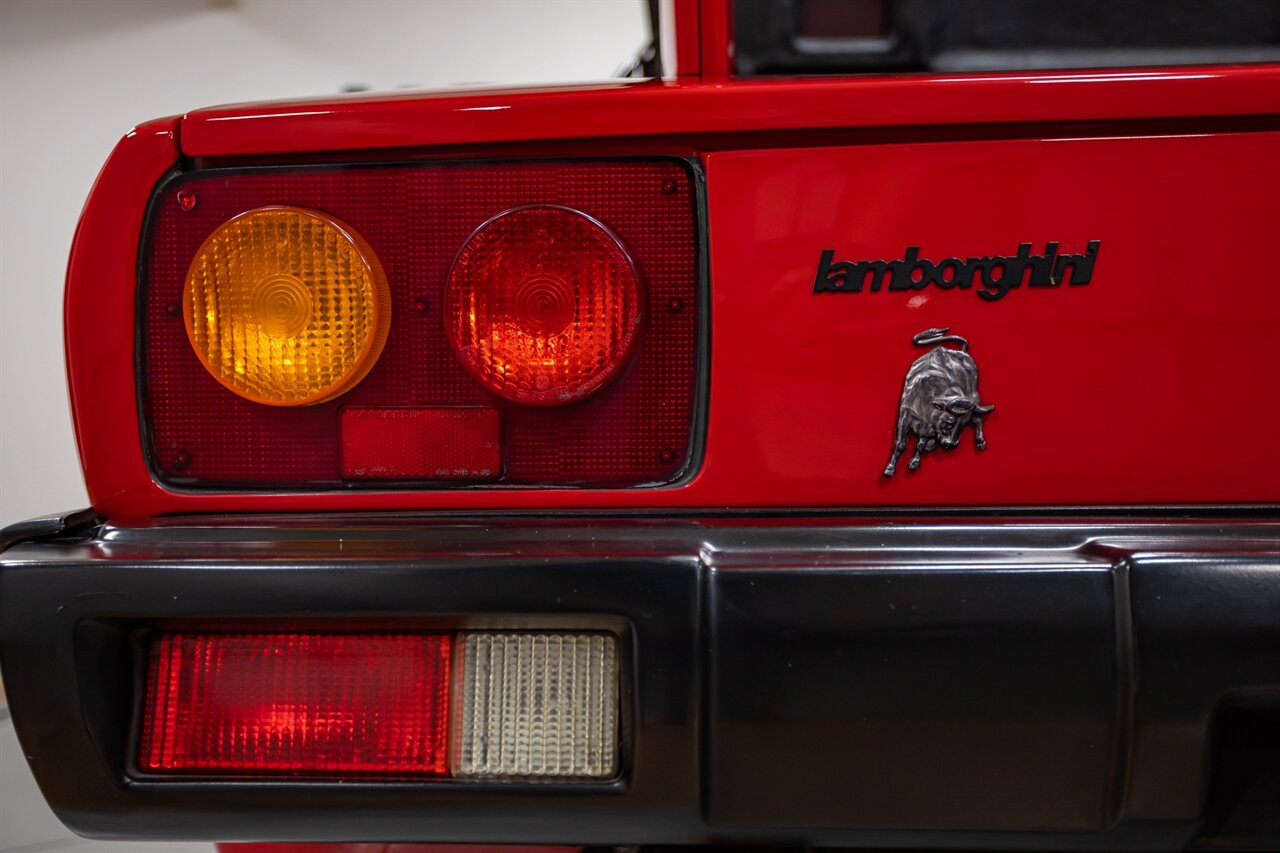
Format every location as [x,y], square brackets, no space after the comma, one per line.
[543,305]
[305,704]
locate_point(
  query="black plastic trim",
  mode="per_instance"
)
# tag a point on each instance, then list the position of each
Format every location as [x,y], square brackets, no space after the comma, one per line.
[1038,685]
[46,526]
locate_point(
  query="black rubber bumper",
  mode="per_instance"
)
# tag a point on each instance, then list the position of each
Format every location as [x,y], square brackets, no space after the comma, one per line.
[961,685]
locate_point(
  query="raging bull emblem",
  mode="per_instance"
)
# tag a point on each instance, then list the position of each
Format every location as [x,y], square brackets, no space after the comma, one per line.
[939,399]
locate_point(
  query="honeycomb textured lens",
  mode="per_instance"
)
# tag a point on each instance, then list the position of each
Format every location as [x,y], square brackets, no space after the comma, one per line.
[533,705]
[328,705]
[543,305]
[286,306]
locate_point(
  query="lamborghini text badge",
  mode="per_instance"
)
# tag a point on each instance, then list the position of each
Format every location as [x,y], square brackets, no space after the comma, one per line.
[939,399]
[992,277]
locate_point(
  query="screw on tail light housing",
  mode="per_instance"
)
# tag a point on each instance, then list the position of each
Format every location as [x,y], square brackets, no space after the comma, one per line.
[633,390]
[328,704]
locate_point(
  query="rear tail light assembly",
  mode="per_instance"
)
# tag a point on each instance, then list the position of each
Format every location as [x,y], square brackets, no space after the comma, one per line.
[470,705]
[422,326]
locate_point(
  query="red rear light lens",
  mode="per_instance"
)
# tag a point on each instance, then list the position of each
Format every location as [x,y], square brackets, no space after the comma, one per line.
[543,305]
[325,705]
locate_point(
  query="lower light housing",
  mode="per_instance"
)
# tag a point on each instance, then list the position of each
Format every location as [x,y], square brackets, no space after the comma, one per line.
[481,705]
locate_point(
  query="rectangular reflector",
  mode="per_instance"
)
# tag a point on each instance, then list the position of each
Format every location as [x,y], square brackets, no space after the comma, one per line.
[536,705]
[420,444]
[327,705]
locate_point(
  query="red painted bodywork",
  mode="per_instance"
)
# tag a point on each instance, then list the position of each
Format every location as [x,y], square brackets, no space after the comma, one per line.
[1126,390]
[100,311]
[704,44]
[1149,386]
[682,53]
[681,109]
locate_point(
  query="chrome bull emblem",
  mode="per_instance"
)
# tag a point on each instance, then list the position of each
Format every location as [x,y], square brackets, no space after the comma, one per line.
[939,399]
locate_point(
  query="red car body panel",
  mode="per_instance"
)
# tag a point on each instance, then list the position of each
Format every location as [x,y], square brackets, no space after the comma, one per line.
[942,102]
[1127,391]
[100,309]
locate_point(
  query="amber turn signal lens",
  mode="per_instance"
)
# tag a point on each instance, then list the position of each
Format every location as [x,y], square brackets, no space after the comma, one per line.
[543,305]
[286,306]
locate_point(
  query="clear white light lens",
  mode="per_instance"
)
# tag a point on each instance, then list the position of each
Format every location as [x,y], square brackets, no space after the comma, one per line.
[532,705]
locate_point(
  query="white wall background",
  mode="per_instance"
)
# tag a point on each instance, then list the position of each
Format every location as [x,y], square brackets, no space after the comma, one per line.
[76,74]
